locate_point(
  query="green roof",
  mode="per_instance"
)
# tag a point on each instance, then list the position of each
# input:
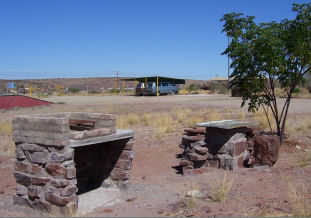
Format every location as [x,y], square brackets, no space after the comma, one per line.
[154,79]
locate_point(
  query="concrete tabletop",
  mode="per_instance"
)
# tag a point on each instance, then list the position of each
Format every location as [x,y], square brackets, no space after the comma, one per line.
[226,124]
[120,134]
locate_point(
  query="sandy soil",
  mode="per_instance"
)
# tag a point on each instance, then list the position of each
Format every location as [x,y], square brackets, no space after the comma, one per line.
[157,189]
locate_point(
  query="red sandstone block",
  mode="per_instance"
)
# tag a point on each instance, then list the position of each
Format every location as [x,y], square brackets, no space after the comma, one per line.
[58,200]
[34,191]
[124,164]
[120,174]
[37,180]
[22,178]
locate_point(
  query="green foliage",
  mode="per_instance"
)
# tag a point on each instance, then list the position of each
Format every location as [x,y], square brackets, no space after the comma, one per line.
[193,87]
[74,90]
[218,87]
[268,55]
[94,92]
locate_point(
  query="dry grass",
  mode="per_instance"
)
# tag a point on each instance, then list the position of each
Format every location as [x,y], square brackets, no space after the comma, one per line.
[6,127]
[125,121]
[304,161]
[146,119]
[221,188]
[190,202]
[214,116]
[162,123]
[182,115]
[306,126]
[261,118]
[300,200]
[241,114]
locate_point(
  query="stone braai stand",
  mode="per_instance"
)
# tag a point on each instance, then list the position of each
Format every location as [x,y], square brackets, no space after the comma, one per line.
[227,144]
[47,172]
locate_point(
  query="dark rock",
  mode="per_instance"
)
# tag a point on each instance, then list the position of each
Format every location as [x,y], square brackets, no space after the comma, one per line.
[195,131]
[160,211]
[22,178]
[185,163]
[196,157]
[266,149]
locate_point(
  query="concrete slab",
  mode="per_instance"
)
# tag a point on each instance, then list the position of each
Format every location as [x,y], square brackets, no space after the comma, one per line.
[120,134]
[98,198]
[226,124]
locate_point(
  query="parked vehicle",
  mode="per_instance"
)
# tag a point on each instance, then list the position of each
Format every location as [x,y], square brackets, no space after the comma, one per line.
[164,88]
[140,89]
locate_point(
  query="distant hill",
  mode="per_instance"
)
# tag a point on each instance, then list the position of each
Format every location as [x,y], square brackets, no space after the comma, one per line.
[91,83]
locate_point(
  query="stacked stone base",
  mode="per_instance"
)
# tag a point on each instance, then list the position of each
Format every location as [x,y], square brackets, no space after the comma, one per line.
[227,149]
[49,169]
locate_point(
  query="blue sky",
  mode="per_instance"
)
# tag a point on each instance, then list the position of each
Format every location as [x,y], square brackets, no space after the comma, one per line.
[95,38]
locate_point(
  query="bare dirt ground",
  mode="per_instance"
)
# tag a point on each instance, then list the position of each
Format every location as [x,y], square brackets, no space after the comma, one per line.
[157,189]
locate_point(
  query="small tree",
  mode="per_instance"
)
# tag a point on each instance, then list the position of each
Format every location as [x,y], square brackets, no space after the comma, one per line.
[266,55]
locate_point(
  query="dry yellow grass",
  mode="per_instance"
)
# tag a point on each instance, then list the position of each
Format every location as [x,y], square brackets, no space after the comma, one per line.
[182,115]
[124,121]
[262,120]
[162,123]
[6,127]
[300,200]
[221,188]
[146,119]
[214,116]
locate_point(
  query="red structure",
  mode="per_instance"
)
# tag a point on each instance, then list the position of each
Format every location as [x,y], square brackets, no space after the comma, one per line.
[11,101]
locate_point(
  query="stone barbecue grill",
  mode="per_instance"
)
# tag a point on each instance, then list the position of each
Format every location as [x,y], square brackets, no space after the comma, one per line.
[59,156]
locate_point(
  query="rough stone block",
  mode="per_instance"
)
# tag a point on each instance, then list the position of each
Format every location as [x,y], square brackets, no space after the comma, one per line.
[59,182]
[37,180]
[71,173]
[196,157]
[127,155]
[124,164]
[120,174]
[69,190]
[21,201]
[198,143]
[38,157]
[36,170]
[58,200]
[185,163]
[61,157]
[55,170]
[201,150]
[22,166]
[19,154]
[129,145]
[21,190]
[266,149]
[34,191]
[22,178]
[31,147]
